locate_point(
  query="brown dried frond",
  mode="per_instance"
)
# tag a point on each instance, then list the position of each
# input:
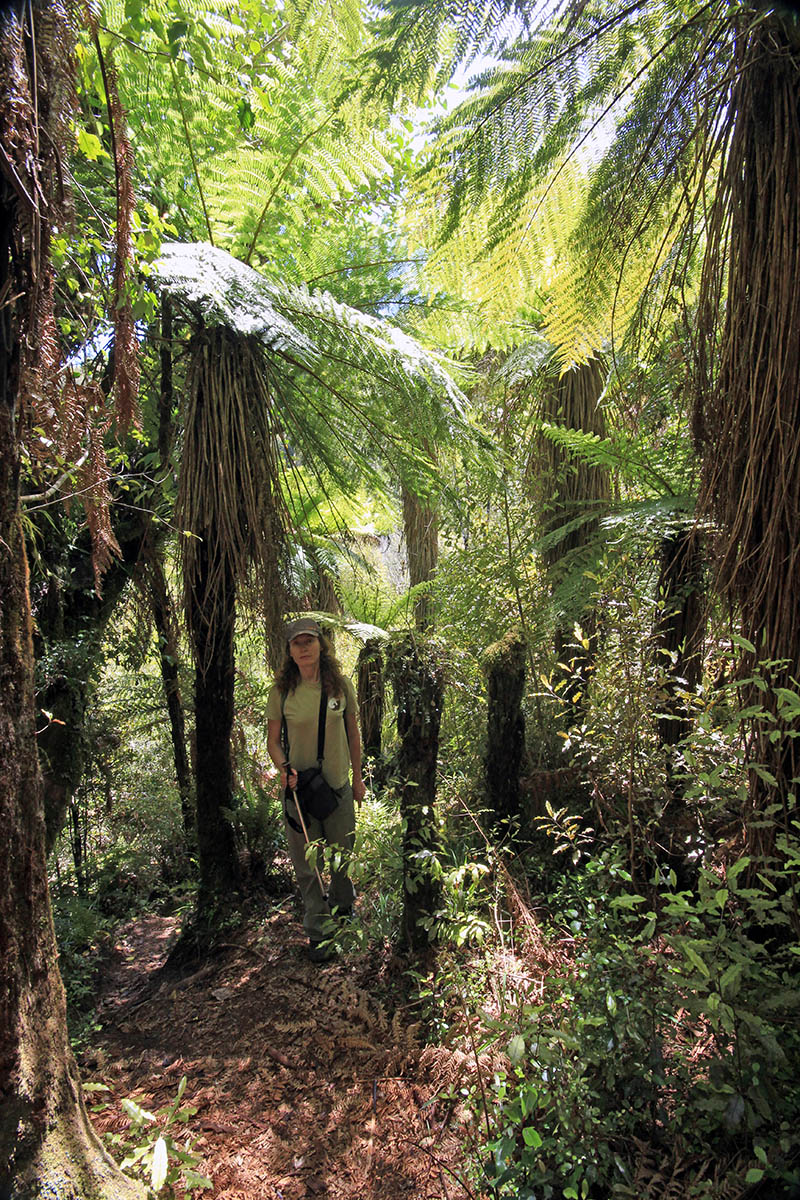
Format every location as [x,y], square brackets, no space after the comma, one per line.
[36,45]
[668,1174]
[93,479]
[126,345]
[230,503]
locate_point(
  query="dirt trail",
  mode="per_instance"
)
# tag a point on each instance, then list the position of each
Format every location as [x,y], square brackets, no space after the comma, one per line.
[306,1086]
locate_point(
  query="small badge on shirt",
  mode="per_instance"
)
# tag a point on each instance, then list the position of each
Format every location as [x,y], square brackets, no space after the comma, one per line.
[335,703]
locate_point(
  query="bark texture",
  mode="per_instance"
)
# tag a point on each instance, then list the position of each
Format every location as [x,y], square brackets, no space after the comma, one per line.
[748,413]
[578,494]
[214,704]
[47,1147]
[681,629]
[371,697]
[157,589]
[504,668]
[421,532]
[418,691]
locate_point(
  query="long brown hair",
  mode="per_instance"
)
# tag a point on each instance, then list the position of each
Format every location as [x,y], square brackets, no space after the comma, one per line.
[330,672]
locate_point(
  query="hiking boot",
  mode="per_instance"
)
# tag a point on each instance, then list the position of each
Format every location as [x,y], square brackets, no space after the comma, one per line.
[321,952]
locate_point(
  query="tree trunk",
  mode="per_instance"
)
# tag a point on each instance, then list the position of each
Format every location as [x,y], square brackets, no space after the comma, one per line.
[680,630]
[371,696]
[679,634]
[421,531]
[749,405]
[169,660]
[577,495]
[212,623]
[504,667]
[418,691]
[47,1147]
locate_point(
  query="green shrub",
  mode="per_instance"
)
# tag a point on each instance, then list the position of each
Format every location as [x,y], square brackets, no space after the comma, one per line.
[668,1027]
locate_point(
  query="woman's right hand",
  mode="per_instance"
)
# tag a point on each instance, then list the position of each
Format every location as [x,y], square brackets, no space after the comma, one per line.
[288,778]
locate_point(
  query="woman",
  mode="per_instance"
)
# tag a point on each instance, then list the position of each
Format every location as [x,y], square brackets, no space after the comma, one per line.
[309,671]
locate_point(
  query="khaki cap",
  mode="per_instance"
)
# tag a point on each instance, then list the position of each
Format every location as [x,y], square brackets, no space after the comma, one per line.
[302,625]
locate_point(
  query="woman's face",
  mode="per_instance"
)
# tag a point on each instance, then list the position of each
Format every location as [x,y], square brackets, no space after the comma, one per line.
[304,650]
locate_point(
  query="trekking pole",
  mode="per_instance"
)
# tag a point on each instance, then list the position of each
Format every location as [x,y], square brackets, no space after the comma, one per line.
[308,840]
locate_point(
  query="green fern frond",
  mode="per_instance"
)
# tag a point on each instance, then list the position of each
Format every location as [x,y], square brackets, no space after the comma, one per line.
[374,604]
[226,292]
[349,391]
[423,40]
[612,453]
[267,132]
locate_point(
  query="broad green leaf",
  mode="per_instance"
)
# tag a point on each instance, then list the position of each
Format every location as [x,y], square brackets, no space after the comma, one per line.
[158,1175]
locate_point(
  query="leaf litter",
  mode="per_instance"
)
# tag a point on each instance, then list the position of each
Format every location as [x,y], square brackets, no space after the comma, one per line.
[306,1082]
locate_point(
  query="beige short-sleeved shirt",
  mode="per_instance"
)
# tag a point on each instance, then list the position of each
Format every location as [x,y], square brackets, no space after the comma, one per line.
[302,719]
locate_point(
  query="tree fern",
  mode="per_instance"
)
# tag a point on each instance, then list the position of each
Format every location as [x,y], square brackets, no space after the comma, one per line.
[258,113]
[349,391]
[656,73]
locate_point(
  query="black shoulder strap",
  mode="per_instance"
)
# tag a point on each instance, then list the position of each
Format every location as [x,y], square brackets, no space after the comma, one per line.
[320,727]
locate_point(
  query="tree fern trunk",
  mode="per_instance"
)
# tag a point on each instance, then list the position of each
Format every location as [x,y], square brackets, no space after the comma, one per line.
[371,696]
[418,691]
[169,661]
[47,1146]
[421,531]
[750,407]
[680,630]
[213,703]
[577,494]
[504,667]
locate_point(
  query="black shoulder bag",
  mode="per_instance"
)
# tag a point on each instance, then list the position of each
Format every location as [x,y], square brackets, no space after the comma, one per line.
[315,795]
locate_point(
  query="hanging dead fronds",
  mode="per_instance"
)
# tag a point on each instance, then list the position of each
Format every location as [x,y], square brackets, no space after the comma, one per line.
[62,422]
[748,404]
[93,483]
[126,345]
[33,138]
[230,506]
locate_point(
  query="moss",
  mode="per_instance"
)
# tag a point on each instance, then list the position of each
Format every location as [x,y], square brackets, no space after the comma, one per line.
[72,1164]
[510,646]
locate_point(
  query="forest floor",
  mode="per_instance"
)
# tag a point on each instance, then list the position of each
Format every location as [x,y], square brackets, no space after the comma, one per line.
[309,1081]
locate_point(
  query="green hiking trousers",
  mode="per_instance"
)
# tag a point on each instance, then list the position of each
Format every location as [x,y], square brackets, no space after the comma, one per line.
[338,831]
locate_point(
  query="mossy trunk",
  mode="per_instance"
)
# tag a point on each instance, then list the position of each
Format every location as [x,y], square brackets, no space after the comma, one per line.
[504,668]
[47,1146]
[418,691]
[371,697]
[576,495]
[421,532]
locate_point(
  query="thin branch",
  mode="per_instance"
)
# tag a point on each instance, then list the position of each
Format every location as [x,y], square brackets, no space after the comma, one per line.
[311,133]
[190,147]
[386,262]
[39,497]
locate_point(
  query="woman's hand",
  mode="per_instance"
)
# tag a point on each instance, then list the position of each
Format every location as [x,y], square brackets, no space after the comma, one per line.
[359,790]
[288,778]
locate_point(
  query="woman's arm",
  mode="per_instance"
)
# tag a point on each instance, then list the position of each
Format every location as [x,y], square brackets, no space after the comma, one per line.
[275,751]
[354,743]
